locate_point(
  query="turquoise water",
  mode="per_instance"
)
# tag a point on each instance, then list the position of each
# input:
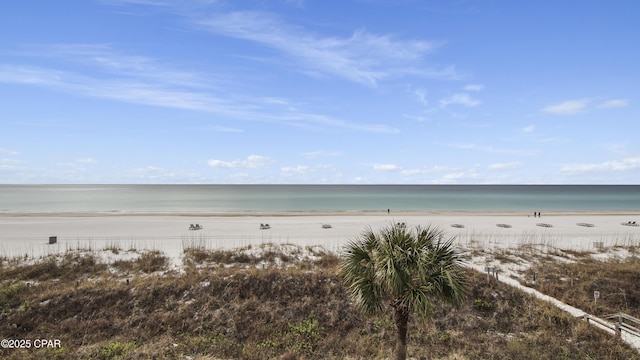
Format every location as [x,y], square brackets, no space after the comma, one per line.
[303,198]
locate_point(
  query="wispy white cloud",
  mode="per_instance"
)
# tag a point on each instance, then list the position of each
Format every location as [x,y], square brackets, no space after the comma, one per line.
[10,163]
[322,173]
[529,129]
[618,148]
[459,99]
[30,75]
[251,162]
[464,146]
[321,153]
[109,62]
[474,87]
[491,149]
[140,2]
[417,118]
[223,129]
[627,164]
[373,128]
[455,177]
[421,95]
[87,160]
[300,169]
[132,90]
[615,103]
[9,151]
[141,80]
[313,120]
[386,167]
[505,166]
[577,106]
[362,57]
[449,72]
[173,4]
[154,174]
[569,107]
[429,170]
[296,3]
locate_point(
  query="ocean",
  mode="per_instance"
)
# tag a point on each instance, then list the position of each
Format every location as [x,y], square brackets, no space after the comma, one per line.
[316,198]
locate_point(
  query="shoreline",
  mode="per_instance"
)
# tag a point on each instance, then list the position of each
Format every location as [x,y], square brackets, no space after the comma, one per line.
[318,213]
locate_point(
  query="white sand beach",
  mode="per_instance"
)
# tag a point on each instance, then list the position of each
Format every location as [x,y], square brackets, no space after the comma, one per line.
[28,234]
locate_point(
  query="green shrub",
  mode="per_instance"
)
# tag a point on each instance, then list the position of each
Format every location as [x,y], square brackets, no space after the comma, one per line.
[115,349]
[7,294]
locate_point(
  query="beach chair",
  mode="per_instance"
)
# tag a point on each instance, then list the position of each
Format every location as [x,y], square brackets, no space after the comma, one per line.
[585,224]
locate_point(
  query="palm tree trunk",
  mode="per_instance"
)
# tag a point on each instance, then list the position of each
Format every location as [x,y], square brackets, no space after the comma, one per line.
[402,322]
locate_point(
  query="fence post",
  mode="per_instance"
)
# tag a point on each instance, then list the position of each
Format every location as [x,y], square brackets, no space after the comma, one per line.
[619,325]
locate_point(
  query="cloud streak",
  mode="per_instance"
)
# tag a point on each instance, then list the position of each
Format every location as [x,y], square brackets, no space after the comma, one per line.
[491,149]
[142,80]
[474,87]
[9,151]
[459,99]
[577,106]
[362,57]
[615,103]
[505,166]
[321,153]
[569,107]
[386,167]
[627,164]
[251,162]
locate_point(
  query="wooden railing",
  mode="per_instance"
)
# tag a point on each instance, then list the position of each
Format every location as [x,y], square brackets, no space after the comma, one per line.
[626,323]
[621,322]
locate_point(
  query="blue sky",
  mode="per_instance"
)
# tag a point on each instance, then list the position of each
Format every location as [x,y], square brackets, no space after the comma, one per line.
[320,91]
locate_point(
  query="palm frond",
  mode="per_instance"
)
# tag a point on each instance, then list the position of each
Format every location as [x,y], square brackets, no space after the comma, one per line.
[408,267]
[359,273]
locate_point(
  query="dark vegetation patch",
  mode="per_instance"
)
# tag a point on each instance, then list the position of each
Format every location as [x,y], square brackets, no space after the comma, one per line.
[300,312]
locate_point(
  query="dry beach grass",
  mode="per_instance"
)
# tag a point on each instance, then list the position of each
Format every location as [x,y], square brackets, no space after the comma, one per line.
[264,303]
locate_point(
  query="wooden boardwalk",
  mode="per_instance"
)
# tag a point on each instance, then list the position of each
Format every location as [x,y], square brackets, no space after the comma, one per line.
[623,325]
[618,323]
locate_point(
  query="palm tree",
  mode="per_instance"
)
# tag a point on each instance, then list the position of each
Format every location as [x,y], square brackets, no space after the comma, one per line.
[404,269]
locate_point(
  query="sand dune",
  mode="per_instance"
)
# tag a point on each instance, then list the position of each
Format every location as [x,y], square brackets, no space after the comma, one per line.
[28,234]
